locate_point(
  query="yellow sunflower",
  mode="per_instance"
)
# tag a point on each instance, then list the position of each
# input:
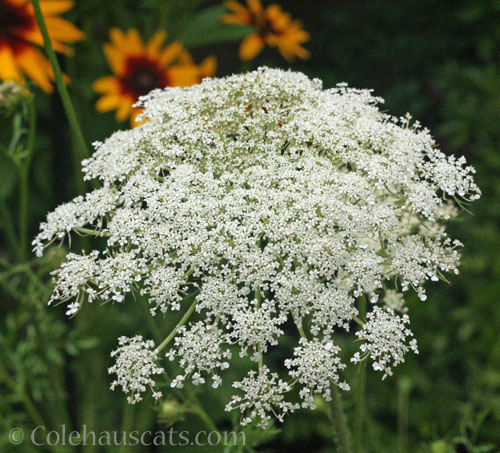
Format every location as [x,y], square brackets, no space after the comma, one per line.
[272,26]
[139,68]
[19,36]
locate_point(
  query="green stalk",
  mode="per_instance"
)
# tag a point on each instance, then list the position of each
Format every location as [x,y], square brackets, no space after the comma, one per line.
[183,320]
[359,420]
[339,423]
[336,414]
[61,87]
[198,409]
[127,425]
[404,386]
[24,183]
[91,232]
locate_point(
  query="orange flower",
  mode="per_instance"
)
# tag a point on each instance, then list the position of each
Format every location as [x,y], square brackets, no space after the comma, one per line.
[19,35]
[272,26]
[139,68]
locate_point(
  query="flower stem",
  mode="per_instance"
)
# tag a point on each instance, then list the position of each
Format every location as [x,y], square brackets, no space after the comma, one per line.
[24,183]
[183,320]
[359,420]
[404,387]
[127,424]
[61,87]
[339,423]
[197,409]
[91,232]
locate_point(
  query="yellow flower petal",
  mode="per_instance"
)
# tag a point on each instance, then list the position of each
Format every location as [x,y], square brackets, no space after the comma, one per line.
[8,66]
[115,58]
[183,75]
[124,109]
[236,7]
[185,58]
[155,43]
[107,84]
[134,42]
[251,46]
[118,39]
[234,19]
[107,103]
[37,68]
[255,6]
[62,30]
[171,52]
[208,67]
[53,7]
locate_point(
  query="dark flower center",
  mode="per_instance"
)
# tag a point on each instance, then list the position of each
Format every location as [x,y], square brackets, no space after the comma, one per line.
[14,20]
[141,76]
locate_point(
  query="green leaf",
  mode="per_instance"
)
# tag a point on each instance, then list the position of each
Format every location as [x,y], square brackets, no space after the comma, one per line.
[8,175]
[206,28]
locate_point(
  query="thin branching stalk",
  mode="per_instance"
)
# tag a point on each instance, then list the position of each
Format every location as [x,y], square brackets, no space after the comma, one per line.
[337,416]
[404,386]
[191,396]
[24,168]
[81,148]
[183,320]
[339,422]
[360,408]
[127,425]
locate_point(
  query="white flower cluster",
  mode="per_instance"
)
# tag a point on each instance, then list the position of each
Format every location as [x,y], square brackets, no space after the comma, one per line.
[316,366]
[263,395]
[134,367]
[273,201]
[385,335]
[199,351]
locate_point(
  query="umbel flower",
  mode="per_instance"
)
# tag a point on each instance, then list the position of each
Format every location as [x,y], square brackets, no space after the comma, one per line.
[20,36]
[257,200]
[272,26]
[140,68]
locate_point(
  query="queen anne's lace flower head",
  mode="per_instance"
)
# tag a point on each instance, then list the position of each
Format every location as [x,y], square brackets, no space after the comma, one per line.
[269,201]
[199,350]
[385,335]
[134,367]
[316,366]
[264,394]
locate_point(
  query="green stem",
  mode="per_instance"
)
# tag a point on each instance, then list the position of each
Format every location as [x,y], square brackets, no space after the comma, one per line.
[359,419]
[127,425]
[358,321]
[404,386]
[198,409]
[183,320]
[24,183]
[61,87]
[336,413]
[339,423]
[91,232]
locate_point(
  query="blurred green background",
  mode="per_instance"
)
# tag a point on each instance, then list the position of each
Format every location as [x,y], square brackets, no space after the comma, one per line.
[439,60]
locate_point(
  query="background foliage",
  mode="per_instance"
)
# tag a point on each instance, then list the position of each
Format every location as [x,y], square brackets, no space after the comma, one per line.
[440,60]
